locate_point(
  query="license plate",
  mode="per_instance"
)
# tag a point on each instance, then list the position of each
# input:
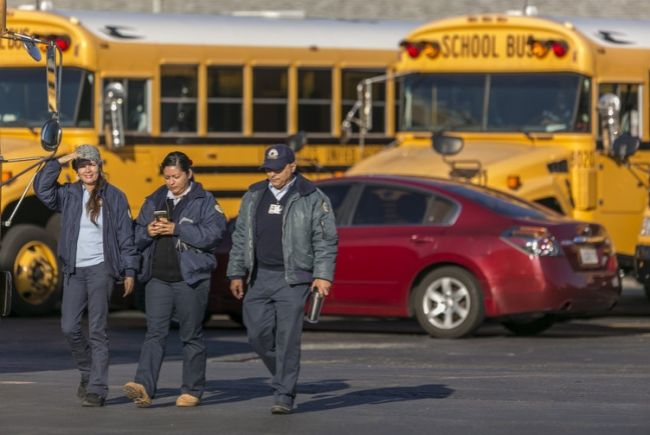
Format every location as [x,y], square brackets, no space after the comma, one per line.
[588,256]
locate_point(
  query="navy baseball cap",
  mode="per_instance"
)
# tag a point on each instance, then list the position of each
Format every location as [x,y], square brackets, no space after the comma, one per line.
[276,157]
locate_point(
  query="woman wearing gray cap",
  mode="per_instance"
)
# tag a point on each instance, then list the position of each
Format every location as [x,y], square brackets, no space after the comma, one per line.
[96,248]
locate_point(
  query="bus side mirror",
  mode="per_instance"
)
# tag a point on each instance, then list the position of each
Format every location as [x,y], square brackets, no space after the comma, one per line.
[446,145]
[6,289]
[51,134]
[609,109]
[364,94]
[113,122]
[297,141]
[624,146]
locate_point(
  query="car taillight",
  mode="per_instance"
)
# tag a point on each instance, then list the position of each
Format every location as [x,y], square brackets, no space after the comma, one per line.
[532,241]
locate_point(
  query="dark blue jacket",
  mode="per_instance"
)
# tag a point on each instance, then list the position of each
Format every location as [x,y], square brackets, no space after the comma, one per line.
[119,250]
[200,227]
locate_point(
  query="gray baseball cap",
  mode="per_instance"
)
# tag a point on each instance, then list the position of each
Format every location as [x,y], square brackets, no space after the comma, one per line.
[88,152]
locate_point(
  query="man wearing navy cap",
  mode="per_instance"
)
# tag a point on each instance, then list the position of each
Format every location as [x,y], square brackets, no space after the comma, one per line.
[285,243]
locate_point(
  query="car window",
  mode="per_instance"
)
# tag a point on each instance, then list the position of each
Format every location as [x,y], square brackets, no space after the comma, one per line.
[336,193]
[443,211]
[383,205]
[501,203]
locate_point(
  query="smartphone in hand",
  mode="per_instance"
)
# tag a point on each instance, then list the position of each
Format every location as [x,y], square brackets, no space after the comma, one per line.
[160,214]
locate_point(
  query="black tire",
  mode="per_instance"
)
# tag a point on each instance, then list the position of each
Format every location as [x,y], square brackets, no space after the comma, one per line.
[646,287]
[529,327]
[456,296]
[29,253]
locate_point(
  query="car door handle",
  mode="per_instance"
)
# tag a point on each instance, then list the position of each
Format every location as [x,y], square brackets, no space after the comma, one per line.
[421,239]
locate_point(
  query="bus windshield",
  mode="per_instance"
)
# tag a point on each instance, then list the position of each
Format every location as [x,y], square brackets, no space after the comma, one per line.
[557,102]
[23,97]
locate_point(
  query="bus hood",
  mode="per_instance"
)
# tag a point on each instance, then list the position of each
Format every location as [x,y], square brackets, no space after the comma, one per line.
[421,160]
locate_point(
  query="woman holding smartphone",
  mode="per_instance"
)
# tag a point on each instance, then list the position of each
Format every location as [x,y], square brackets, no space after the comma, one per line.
[96,249]
[177,231]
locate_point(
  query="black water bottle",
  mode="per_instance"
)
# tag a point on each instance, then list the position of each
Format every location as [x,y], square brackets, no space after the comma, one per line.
[314,305]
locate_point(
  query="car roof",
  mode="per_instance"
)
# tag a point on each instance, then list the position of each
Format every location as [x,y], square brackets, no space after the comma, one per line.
[457,189]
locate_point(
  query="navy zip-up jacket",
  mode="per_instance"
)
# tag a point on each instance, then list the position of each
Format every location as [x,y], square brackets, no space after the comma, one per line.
[200,227]
[120,253]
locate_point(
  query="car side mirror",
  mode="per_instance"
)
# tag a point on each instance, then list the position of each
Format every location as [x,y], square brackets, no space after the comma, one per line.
[446,145]
[297,141]
[624,146]
[51,134]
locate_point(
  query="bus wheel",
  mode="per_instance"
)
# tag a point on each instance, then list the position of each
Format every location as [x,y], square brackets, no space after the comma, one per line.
[29,253]
[448,303]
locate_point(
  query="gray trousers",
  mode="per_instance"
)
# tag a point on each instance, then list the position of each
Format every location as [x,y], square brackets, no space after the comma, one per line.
[273,315]
[164,299]
[89,287]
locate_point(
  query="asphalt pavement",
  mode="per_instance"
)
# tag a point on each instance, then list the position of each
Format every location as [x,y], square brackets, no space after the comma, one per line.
[360,376]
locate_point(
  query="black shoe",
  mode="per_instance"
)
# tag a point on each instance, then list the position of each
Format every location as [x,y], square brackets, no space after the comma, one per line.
[281,408]
[93,400]
[81,389]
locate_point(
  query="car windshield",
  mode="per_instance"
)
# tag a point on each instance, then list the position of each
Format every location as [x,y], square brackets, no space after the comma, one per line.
[23,97]
[496,102]
[502,203]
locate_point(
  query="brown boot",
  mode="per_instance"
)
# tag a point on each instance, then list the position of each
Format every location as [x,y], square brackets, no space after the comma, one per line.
[187,400]
[137,393]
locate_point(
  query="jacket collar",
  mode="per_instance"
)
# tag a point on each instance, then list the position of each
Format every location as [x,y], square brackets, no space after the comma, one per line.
[303,186]
[160,195]
[80,190]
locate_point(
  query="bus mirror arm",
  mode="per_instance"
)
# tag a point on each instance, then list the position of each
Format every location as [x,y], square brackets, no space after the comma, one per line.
[361,112]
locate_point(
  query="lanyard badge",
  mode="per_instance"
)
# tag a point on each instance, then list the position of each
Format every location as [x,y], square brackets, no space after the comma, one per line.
[275,209]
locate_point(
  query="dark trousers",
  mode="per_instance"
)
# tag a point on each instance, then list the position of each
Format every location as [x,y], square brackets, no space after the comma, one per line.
[89,287]
[273,315]
[163,299]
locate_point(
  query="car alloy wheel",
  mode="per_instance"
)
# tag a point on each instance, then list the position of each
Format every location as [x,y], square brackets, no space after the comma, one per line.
[449,303]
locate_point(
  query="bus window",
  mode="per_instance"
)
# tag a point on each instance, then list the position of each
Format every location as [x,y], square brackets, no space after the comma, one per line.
[443,102]
[533,102]
[629,95]
[225,96]
[178,92]
[350,79]
[23,97]
[270,100]
[515,102]
[135,109]
[315,100]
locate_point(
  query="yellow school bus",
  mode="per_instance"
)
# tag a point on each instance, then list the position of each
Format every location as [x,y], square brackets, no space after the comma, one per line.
[542,106]
[218,88]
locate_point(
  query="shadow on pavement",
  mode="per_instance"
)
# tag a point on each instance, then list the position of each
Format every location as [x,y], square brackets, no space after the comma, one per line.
[376,396]
[238,390]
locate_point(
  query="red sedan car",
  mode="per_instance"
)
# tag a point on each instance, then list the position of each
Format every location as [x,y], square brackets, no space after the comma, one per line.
[452,254]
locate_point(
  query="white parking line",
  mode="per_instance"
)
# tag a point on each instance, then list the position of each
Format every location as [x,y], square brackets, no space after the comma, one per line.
[347,346]
[16,382]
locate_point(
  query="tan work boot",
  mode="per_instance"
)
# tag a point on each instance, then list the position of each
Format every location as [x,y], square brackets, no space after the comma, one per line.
[137,393]
[186,400]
